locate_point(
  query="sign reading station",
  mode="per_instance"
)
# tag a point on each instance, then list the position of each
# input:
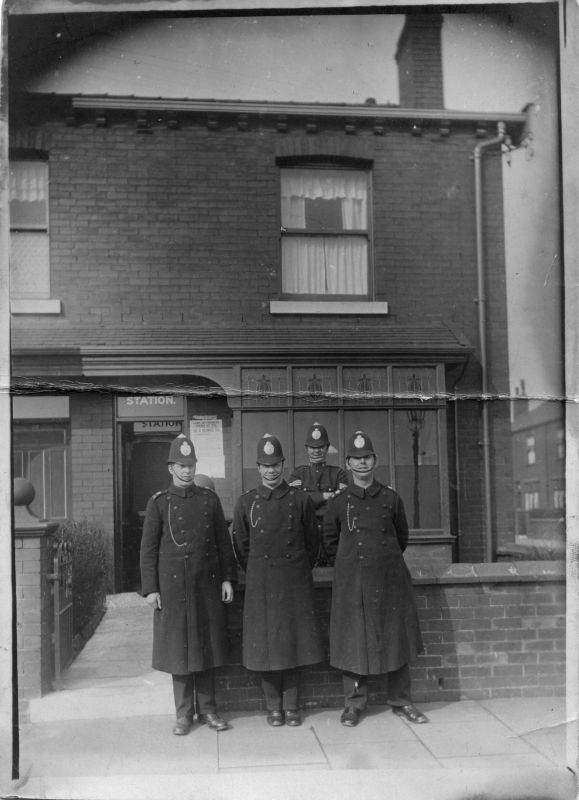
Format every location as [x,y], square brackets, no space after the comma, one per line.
[156,406]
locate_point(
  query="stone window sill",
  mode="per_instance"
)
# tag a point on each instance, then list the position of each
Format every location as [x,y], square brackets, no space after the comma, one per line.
[341,307]
[35,306]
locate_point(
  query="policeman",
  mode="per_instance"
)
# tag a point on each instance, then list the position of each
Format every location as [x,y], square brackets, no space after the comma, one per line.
[374,627]
[187,572]
[276,540]
[319,479]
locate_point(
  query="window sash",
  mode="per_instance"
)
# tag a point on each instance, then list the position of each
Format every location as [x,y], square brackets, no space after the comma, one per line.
[329,255]
[324,265]
[29,195]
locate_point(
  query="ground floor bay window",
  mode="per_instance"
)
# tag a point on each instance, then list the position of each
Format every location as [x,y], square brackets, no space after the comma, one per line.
[399,407]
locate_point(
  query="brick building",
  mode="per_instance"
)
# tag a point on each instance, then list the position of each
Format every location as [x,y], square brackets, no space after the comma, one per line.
[234,268]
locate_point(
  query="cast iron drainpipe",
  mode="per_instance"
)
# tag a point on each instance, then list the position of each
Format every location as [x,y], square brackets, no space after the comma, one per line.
[482,328]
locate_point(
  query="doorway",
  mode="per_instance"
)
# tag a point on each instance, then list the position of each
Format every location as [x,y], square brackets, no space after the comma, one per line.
[144,472]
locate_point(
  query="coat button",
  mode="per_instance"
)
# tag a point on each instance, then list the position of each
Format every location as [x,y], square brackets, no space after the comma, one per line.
[287,555]
[266,556]
[360,544]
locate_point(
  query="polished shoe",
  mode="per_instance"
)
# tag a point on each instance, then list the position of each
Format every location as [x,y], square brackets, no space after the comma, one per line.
[411,713]
[350,717]
[214,721]
[275,718]
[182,726]
[293,718]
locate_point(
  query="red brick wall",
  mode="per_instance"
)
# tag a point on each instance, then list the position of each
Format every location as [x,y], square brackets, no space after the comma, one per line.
[33,562]
[91,448]
[502,635]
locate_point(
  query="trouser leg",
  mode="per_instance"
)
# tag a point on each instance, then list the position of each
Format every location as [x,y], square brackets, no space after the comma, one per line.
[271,685]
[399,686]
[184,694]
[290,689]
[355,690]
[205,689]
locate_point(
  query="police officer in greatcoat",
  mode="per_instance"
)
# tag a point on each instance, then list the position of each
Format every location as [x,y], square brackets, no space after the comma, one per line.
[188,570]
[374,628]
[320,480]
[276,539]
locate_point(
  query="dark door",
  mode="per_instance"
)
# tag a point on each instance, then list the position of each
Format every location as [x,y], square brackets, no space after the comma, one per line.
[144,473]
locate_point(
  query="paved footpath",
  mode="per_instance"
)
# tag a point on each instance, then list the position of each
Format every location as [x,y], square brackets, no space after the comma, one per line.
[107,735]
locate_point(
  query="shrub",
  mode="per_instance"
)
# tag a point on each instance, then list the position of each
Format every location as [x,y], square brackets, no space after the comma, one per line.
[90,565]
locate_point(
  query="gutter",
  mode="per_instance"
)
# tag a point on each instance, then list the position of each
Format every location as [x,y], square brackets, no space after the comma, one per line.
[481,301]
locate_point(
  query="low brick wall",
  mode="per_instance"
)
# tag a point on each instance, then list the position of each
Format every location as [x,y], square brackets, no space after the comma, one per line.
[489,630]
[33,561]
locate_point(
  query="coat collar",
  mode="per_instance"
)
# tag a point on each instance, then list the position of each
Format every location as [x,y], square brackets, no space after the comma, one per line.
[359,491]
[185,491]
[279,491]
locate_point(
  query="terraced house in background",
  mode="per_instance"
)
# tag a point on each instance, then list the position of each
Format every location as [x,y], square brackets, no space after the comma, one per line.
[230,267]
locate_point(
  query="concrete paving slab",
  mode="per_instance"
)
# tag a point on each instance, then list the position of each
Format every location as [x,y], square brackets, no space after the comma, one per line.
[470,739]
[529,714]
[150,748]
[257,745]
[70,749]
[103,703]
[551,742]
[380,755]
[375,726]
[463,711]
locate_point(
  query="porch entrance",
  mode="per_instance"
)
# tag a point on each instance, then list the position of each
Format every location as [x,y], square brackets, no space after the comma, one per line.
[144,472]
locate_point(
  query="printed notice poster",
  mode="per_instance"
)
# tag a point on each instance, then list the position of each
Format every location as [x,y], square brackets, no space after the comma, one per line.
[207,436]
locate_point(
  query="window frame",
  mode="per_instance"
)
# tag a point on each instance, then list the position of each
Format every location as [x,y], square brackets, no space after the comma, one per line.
[45,450]
[281,398]
[320,163]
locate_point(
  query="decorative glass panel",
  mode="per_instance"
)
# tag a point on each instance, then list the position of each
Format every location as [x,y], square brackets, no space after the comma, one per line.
[365,385]
[264,387]
[414,383]
[315,386]
[417,466]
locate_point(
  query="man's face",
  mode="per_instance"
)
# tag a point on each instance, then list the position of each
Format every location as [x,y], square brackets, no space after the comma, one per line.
[362,465]
[183,474]
[317,455]
[271,474]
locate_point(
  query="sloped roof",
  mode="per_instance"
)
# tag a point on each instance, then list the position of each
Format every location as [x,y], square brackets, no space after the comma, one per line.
[65,349]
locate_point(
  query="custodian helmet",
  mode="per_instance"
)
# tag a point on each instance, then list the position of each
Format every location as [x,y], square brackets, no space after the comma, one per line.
[317,436]
[360,445]
[182,451]
[269,450]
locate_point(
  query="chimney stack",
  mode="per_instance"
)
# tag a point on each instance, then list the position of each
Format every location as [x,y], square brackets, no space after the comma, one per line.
[419,59]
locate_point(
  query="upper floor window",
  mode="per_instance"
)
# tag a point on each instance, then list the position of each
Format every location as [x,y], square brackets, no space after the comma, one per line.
[531,452]
[29,245]
[560,444]
[325,243]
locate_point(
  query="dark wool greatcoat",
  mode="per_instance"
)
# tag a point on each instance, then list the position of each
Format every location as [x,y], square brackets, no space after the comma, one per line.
[317,479]
[276,540]
[374,623]
[186,554]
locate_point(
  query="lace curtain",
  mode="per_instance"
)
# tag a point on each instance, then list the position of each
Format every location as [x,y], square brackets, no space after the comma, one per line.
[331,264]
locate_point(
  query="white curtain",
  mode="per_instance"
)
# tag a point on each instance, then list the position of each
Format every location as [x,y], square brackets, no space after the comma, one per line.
[324,264]
[348,186]
[28,181]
